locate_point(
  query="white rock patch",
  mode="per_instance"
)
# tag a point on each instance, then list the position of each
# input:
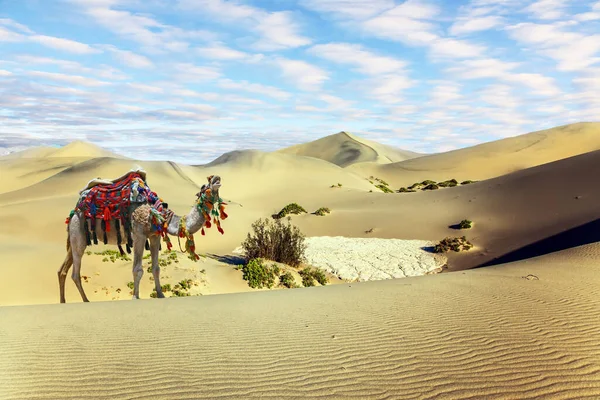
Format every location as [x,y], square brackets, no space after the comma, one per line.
[369,259]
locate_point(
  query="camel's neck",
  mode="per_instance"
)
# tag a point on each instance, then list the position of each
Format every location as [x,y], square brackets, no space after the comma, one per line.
[193,222]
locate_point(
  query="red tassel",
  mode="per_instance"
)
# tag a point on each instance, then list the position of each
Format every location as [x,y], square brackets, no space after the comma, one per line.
[221,230]
[67,221]
[223,215]
[106,218]
[207,224]
[202,232]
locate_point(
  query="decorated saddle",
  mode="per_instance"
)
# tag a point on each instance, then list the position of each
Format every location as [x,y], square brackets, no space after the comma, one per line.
[107,201]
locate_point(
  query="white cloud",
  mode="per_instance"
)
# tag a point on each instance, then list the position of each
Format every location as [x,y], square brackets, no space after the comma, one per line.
[219,51]
[191,72]
[353,9]
[407,23]
[7,35]
[547,9]
[302,74]
[70,79]
[276,30]
[500,96]
[572,50]
[452,48]
[155,37]
[145,88]
[468,25]
[482,68]
[366,61]
[246,86]
[540,84]
[4,72]
[388,89]
[445,92]
[103,71]
[67,45]
[128,58]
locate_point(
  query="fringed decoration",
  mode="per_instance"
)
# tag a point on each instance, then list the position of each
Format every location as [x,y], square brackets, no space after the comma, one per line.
[94,234]
[87,232]
[121,249]
[106,218]
[118,230]
[202,231]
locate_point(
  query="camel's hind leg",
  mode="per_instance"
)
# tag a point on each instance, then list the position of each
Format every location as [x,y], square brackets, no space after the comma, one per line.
[78,246]
[64,270]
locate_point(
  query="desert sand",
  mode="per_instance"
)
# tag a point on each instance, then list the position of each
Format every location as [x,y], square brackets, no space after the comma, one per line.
[514,317]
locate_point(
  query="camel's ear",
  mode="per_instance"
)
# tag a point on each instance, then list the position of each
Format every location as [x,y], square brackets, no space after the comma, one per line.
[209,178]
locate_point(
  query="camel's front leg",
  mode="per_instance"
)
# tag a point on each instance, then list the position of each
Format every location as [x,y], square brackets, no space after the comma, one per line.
[154,250]
[138,270]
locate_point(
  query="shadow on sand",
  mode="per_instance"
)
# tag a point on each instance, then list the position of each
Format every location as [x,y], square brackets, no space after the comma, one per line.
[227,259]
[581,235]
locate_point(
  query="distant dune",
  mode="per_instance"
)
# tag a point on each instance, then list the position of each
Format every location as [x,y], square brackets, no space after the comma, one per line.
[75,149]
[345,149]
[492,159]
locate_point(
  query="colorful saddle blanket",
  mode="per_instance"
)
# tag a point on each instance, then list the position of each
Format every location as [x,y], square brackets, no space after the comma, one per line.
[111,200]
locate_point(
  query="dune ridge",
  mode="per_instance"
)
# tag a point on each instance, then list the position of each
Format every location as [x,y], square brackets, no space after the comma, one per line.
[346,149]
[491,159]
[526,330]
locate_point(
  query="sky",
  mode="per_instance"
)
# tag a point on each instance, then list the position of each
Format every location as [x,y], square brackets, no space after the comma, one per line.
[188,80]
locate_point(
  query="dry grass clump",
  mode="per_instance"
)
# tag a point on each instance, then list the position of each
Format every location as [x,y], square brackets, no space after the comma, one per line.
[453,243]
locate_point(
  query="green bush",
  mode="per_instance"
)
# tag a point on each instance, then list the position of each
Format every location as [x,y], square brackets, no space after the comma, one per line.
[467,182]
[416,185]
[258,274]
[448,183]
[288,280]
[322,211]
[292,208]
[310,275]
[276,241]
[465,224]
[427,182]
[455,244]
[431,186]
[384,188]
[405,190]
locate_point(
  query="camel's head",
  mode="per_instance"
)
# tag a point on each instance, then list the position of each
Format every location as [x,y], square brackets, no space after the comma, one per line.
[214,184]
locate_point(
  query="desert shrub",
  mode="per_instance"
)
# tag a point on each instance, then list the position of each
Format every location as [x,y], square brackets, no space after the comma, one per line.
[455,244]
[166,287]
[465,224]
[322,211]
[382,181]
[130,285]
[427,182]
[431,186]
[113,255]
[384,188]
[292,208]
[416,185]
[467,182]
[288,280]
[405,190]
[258,274]
[276,241]
[448,183]
[339,185]
[186,284]
[310,275]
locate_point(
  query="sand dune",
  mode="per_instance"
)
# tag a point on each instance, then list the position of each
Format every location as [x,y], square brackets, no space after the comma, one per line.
[345,149]
[491,159]
[527,331]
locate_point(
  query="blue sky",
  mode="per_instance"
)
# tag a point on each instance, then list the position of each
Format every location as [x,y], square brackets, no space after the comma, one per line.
[187,80]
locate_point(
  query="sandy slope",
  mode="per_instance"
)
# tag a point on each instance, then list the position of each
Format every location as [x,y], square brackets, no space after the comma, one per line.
[491,159]
[509,212]
[523,331]
[345,149]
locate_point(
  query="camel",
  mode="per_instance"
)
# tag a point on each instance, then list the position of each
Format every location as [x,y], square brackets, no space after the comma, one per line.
[142,218]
